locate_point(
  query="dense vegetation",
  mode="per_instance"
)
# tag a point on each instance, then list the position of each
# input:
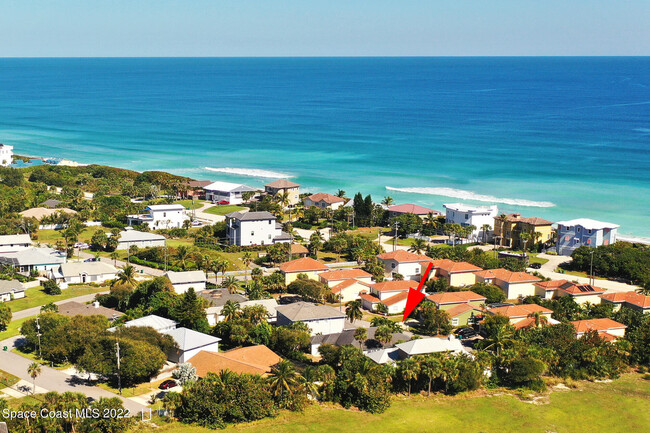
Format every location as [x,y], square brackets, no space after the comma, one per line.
[621,260]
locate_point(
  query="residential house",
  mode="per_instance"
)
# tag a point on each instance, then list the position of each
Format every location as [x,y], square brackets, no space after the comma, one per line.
[465,314]
[41,260]
[606,328]
[514,284]
[324,201]
[583,231]
[420,346]
[281,186]
[190,343]
[581,293]
[404,263]
[349,290]
[182,281]
[50,219]
[508,228]
[633,300]
[334,277]
[214,313]
[195,189]
[464,308]
[299,250]
[305,265]
[10,290]
[321,319]
[129,237]
[51,203]
[477,216]
[254,228]
[218,297]
[522,316]
[459,274]
[158,323]
[226,192]
[6,155]
[72,308]
[346,338]
[161,216]
[84,272]
[251,360]
[11,243]
[401,209]
[547,289]
[392,294]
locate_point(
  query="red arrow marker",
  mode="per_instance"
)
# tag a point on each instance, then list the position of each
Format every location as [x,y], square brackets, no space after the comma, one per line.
[416,296]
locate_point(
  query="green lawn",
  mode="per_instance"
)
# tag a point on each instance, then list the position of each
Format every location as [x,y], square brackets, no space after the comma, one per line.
[620,406]
[224,209]
[7,379]
[141,389]
[52,236]
[12,330]
[401,242]
[188,203]
[35,297]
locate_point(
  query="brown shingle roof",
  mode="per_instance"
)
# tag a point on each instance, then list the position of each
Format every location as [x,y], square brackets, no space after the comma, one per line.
[73,308]
[282,183]
[302,265]
[327,198]
[299,249]
[252,360]
[536,221]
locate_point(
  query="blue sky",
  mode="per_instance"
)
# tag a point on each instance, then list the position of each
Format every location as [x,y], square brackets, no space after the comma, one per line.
[31,28]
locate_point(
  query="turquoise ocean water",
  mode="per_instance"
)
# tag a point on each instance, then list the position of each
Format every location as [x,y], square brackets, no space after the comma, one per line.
[557,138]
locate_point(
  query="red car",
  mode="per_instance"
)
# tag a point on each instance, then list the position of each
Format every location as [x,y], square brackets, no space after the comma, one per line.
[168,384]
[224,202]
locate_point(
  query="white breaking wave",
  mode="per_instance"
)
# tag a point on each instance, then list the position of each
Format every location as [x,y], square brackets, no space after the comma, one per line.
[633,239]
[252,172]
[469,195]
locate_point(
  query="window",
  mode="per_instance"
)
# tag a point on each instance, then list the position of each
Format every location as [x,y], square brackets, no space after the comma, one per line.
[578,229]
[454,321]
[269,236]
[392,265]
[164,214]
[270,221]
[589,231]
[466,216]
[252,233]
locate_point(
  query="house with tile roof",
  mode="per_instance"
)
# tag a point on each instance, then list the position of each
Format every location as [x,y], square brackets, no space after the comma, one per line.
[334,277]
[463,307]
[323,201]
[465,314]
[350,290]
[393,294]
[303,265]
[508,228]
[404,263]
[280,186]
[514,284]
[321,319]
[401,209]
[519,315]
[250,359]
[581,293]
[606,328]
[633,300]
[547,289]
[459,274]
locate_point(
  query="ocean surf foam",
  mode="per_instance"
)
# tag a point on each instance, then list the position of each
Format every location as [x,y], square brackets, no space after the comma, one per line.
[469,195]
[252,172]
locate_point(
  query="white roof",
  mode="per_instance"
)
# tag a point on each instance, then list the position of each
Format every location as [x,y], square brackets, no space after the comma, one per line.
[186,277]
[463,207]
[135,235]
[90,268]
[589,224]
[269,304]
[162,207]
[33,256]
[15,239]
[227,187]
[156,322]
[422,346]
[187,339]
[384,356]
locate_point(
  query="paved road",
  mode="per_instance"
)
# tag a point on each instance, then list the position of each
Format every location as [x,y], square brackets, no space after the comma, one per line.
[54,380]
[34,311]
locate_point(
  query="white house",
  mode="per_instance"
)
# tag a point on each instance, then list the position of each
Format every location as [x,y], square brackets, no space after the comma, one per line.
[254,228]
[140,239]
[468,214]
[182,281]
[420,346]
[214,313]
[161,216]
[190,343]
[84,272]
[11,289]
[404,263]
[6,155]
[321,319]
[393,294]
[33,259]
[583,231]
[324,201]
[226,191]
[158,323]
[10,243]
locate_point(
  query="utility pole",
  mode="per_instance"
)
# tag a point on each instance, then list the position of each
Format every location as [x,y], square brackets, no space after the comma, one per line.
[119,377]
[395,237]
[38,333]
[591,269]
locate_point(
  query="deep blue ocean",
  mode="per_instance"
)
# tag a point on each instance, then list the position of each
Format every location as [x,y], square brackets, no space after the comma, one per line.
[558,138]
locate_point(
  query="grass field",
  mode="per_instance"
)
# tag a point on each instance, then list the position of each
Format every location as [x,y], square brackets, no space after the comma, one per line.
[52,236]
[7,379]
[223,209]
[35,297]
[620,406]
[188,203]
[13,329]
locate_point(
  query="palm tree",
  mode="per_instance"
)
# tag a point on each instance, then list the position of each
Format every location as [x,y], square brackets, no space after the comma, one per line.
[502,220]
[114,256]
[418,246]
[230,310]
[361,335]
[485,228]
[340,193]
[220,265]
[387,201]
[430,366]
[231,284]
[540,319]
[282,198]
[525,237]
[645,290]
[247,259]
[381,308]
[256,274]
[383,334]
[126,276]
[409,369]
[34,370]
[284,380]
[182,254]
[353,311]
[537,236]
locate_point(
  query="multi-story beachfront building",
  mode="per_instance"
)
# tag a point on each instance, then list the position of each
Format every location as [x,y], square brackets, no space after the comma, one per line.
[469,214]
[254,228]
[284,186]
[161,216]
[508,228]
[583,231]
[6,154]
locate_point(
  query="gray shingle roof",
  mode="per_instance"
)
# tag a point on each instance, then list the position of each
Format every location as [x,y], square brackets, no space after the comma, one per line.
[10,286]
[305,311]
[251,216]
[33,256]
[187,339]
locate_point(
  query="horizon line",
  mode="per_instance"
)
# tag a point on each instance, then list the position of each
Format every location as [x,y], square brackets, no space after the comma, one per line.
[335,56]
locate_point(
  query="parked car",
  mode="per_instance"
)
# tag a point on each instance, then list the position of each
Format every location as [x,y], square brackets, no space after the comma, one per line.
[168,384]
[81,245]
[536,265]
[224,202]
[466,332]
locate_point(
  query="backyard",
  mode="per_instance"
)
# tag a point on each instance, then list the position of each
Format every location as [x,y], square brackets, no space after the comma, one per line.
[224,209]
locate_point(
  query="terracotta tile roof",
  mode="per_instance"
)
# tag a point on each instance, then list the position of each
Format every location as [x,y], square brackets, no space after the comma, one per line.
[395,286]
[282,183]
[344,274]
[528,322]
[608,337]
[633,298]
[523,310]
[600,325]
[451,266]
[395,299]
[347,283]
[368,297]
[299,249]
[252,359]
[536,221]
[403,256]
[412,208]
[551,285]
[580,289]
[455,297]
[302,265]
[460,309]
[507,276]
[327,198]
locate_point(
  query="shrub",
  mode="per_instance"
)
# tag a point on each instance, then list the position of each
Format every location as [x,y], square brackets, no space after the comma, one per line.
[51,287]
